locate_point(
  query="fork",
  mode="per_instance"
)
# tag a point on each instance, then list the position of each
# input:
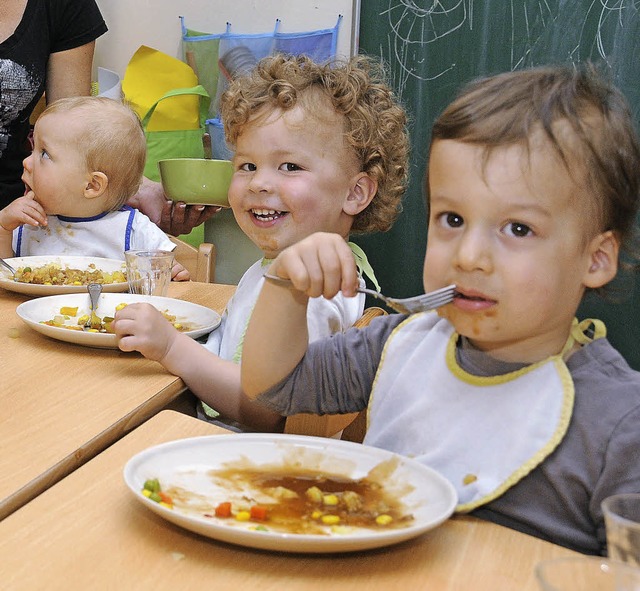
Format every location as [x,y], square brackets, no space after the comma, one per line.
[8,267]
[94,289]
[413,305]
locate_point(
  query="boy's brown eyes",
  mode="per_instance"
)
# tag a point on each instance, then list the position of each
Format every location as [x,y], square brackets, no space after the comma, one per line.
[454,220]
[518,229]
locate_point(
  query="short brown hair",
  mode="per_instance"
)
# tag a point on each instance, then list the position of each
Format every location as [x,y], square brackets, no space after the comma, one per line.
[602,144]
[112,141]
[374,121]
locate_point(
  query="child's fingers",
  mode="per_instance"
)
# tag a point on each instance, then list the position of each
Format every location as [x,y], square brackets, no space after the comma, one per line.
[321,264]
[179,273]
[32,212]
[338,268]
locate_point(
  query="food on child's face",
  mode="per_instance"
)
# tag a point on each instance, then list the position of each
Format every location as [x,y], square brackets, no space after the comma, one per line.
[68,318]
[300,502]
[54,274]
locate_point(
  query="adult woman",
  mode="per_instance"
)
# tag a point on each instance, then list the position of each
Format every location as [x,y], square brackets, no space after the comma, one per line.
[48,45]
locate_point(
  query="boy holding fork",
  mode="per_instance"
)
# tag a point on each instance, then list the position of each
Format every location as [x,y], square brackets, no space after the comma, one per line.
[534,186]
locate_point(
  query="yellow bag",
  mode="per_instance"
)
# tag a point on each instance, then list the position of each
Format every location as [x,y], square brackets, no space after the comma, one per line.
[150,74]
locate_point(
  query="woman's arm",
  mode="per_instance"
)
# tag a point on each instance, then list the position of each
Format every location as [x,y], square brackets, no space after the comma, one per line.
[69,72]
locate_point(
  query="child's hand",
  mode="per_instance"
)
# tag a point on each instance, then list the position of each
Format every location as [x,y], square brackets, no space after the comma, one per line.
[23,210]
[321,264]
[141,327]
[179,273]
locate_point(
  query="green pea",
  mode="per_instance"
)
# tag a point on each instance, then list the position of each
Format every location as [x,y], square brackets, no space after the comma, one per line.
[153,485]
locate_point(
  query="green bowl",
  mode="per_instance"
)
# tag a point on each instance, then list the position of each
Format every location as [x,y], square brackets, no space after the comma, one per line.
[196,181]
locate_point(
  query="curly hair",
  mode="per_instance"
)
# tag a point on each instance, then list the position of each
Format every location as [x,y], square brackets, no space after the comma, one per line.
[374,121]
[584,118]
[112,142]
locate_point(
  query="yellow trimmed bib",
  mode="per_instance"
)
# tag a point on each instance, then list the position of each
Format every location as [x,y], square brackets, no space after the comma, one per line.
[483,433]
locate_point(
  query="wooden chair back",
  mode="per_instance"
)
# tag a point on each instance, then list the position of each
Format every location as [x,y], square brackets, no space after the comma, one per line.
[200,262]
[352,426]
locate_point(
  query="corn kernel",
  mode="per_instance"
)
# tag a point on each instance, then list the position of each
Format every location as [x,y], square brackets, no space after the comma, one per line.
[330,500]
[120,306]
[384,519]
[146,493]
[469,479]
[177,326]
[316,515]
[167,505]
[243,515]
[330,519]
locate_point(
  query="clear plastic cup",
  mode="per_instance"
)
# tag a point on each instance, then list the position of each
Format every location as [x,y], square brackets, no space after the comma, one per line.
[586,573]
[149,271]
[622,520]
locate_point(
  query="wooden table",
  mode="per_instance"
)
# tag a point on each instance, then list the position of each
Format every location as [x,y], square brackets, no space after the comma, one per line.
[63,403]
[87,532]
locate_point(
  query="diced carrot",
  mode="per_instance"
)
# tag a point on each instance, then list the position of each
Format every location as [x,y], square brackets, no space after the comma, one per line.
[223,510]
[258,512]
[165,498]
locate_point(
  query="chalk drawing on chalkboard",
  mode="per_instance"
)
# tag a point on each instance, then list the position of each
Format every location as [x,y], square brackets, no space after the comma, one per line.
[529,33]
[413,27]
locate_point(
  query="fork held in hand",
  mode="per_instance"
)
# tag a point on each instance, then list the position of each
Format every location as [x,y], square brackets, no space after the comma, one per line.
[413,305]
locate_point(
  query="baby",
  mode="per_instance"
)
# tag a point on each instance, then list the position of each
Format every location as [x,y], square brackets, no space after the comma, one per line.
[317,147]
[87,160]
[534,186]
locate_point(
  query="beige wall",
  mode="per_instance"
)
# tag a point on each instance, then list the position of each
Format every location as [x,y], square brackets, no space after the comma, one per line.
[155,23]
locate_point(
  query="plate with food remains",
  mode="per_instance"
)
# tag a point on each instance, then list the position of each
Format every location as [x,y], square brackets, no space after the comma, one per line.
[290,493]
[60,274]
[62,317]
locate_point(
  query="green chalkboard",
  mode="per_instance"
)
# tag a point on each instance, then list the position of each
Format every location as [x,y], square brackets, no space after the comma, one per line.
[432,48]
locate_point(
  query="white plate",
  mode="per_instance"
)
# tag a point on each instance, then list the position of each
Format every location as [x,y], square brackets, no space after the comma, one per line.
[33,312]
[70,262]
[424,493]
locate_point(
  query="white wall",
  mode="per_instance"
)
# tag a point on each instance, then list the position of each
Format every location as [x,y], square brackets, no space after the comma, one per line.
[155,23]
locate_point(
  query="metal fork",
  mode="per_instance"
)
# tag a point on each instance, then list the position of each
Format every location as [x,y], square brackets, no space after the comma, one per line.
[8,267]
[94,289]
[413,305]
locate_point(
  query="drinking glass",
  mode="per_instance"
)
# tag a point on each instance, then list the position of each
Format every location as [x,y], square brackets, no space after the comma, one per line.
[586,573]
[622,520]
[149,271]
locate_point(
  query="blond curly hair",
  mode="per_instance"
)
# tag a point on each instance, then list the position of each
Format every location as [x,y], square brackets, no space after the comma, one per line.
[374,121]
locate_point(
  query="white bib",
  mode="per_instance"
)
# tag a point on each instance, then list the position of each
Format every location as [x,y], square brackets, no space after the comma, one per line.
[483,433]
[106,235]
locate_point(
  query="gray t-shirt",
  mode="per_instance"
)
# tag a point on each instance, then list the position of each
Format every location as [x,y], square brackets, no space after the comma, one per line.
[559,500]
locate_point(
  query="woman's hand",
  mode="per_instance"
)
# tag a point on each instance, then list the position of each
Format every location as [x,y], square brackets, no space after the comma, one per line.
[174,218]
